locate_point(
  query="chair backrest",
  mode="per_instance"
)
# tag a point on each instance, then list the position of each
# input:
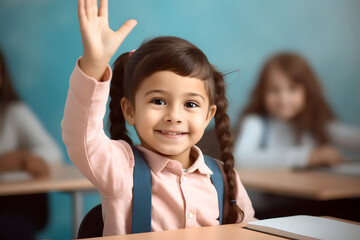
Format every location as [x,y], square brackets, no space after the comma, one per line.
[92,225]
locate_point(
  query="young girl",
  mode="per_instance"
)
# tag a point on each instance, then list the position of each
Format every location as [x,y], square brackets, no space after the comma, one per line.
[288,123]
[169,92]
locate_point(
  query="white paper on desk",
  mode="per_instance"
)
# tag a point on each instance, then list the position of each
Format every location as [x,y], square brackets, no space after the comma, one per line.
[307,227]
[15,176]
[351,168]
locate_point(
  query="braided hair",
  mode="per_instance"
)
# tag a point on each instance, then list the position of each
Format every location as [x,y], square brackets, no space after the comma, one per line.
[185,59]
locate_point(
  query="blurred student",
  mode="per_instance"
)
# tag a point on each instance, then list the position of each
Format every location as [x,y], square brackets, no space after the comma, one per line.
[24,146]
[288,122]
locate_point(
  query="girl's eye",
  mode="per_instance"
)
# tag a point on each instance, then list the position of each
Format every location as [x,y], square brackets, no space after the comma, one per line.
[191,105]
[158,102]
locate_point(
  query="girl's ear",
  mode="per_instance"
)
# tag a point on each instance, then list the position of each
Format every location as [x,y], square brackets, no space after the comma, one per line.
[128,111]
[211,114]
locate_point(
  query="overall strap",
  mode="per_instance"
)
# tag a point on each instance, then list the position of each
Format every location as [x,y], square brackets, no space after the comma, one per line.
[265,132]
[218,181]
[141,210]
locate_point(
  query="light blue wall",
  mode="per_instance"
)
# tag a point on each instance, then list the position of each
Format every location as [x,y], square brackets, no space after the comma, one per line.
[41,41]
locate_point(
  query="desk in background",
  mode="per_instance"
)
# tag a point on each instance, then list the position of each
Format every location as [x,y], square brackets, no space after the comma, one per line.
[286,192]
[312,184]
[64,178]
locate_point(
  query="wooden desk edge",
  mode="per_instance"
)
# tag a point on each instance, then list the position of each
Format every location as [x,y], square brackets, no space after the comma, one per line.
[250,182]
[64,178]
[228,232]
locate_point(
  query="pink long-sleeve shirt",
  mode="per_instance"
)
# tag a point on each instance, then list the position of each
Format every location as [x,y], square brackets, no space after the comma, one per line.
[179,199]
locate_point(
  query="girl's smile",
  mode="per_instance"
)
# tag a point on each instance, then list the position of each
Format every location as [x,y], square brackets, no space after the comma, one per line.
[171,134]
[171,113]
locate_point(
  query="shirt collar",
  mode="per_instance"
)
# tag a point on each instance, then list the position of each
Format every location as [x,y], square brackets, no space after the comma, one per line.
[157,162]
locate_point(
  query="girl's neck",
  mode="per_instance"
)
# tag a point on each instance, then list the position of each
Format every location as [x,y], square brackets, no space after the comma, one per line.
[186,158]
[193,155]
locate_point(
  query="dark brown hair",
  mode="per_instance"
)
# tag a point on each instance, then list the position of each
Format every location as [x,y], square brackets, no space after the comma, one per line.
[7,92]
[183,58]
[316,113]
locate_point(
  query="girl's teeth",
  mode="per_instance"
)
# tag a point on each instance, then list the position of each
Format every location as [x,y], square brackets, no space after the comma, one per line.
[171,133]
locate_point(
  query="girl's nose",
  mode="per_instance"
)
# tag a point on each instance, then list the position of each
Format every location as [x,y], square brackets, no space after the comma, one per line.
[173,115]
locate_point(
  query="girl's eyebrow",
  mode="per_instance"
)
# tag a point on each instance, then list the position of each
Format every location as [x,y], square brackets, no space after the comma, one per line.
[191,94]
[154,91]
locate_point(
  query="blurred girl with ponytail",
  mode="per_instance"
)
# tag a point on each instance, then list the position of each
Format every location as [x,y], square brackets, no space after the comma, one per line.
[169,92]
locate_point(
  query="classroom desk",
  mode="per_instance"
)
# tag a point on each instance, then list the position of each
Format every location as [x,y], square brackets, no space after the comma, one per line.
[64,178]
[311,184]
[228,232]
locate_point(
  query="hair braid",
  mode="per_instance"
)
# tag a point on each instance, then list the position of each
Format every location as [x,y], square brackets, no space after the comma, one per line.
[225,139]
[116,118]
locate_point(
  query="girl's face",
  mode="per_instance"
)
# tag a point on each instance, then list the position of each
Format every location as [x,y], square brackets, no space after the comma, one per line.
[171,113]
[284,98]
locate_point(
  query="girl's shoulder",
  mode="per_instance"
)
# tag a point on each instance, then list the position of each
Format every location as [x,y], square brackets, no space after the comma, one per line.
[253,120]
[253,117]
[16,108]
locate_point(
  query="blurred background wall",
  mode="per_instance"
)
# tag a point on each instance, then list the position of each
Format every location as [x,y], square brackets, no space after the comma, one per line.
[41,42]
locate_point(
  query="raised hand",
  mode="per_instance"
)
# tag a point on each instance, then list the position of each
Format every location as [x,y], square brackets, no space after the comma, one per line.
[99,41]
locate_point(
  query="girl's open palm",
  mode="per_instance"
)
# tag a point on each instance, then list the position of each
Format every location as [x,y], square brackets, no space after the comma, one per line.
[99,41]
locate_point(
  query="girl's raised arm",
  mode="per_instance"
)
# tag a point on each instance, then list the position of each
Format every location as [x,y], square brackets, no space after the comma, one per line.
[99,41]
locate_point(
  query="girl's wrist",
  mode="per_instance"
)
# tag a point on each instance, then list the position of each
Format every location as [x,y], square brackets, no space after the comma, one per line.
[94,69]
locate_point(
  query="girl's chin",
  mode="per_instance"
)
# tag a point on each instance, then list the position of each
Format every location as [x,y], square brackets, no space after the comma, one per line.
[166,152]
[285,118]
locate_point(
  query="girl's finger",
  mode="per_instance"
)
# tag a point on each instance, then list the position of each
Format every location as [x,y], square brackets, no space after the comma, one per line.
[126,28]
[87,7]
[81,10]
[91,8]
[103,8]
